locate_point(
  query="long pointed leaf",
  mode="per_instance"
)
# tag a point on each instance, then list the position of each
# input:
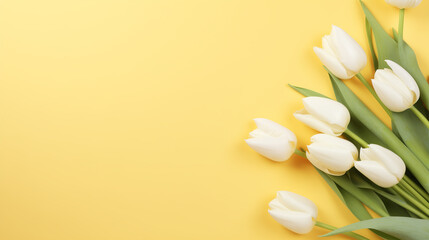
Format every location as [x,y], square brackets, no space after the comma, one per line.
[387,48]
[352,203]
[403,228]
[371,44]
[413,133]
[332,184]
[366,196]
[395,205]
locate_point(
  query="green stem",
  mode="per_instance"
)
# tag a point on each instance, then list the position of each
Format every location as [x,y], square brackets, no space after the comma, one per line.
[416,187]
[356,138]
[371,90]
[410,189]
[401,202]
[420,115]
[300,153]
[350,234]
[401,28]
[411,199]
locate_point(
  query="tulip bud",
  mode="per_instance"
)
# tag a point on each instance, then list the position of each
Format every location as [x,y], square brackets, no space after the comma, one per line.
[381,165]
[332,155]
[404,3]
[293,211]
[272,140]
[396,88]
[324,115]
[341,54]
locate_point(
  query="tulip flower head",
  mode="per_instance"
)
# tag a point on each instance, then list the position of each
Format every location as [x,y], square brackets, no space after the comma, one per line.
[341,54]
[293,211]
[404,3]
[396,88]
[381,165]
[272,140]
[332,155]
[324,115]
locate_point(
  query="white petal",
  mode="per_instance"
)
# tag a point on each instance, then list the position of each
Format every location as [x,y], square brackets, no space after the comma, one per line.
[270,128]
[276,204]
[348,51]
[406,78]
[319,165]
[367,154]
[392,162]
[390,97]
[333,158]
[388,77]
[314,123]
[376,173]
[328,111]
[297,222]
[340,142]
[404,3]
[327,46]
[273,129]
[332,63]
[296,202]
[275,148]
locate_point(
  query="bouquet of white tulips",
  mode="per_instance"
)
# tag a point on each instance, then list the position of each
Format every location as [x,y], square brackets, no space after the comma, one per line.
[365,162]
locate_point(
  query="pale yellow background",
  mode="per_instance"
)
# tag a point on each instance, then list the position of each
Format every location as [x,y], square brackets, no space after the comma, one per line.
[125,119]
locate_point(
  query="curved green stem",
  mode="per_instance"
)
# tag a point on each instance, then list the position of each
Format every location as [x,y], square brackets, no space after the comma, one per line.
[350,234]
[401,28]
[410,189]
[356,138]
[371,90]
[300,153]
[416,187]
[420,115]
[400,202]
[411,199]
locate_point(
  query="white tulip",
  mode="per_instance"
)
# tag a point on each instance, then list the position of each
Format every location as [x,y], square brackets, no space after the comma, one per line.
[324,115]
[381,165]
[341,54]
[404,3]
[293,211]
[272,140]
[396,88]
[332,155]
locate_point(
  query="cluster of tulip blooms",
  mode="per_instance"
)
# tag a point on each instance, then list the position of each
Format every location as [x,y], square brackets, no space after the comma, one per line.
[391,172]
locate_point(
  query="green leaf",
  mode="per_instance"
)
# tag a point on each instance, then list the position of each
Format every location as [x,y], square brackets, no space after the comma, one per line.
[387,48]
[371,44]
[355,206]
[307,92]
[404,228]
[394,204]
[355,125]
[352,203]
[408,61]
[413,133]
[378,128]
[332,184]
[366,196]
[394,210]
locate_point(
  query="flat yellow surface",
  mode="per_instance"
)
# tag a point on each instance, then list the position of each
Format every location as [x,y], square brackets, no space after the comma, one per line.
[125,119]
